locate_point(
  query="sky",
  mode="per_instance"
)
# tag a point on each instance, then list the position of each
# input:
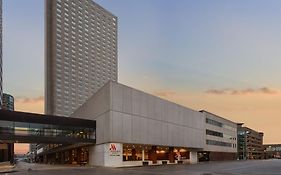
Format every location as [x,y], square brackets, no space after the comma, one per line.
[221,56]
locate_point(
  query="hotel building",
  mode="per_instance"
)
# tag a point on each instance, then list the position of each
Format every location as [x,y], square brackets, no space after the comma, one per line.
[81,53]
[132,127]
[135,127]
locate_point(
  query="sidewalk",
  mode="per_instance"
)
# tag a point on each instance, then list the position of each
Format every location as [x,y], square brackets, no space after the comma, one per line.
[6,167]
[23,166]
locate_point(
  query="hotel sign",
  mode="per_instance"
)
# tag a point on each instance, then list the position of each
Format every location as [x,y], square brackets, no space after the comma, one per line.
[114,149]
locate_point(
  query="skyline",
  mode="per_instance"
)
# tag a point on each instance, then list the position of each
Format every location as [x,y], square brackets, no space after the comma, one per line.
[208,44]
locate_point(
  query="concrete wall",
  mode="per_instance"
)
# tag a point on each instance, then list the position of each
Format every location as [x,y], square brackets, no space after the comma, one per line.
[98,108]
[138,117]
[126,115]
[102,155]
[225,130]
[222,156]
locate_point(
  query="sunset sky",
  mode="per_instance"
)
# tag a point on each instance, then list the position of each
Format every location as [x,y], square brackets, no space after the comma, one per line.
[221,56]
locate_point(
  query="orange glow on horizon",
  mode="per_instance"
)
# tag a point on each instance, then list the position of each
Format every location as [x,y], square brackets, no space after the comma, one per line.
[21,148]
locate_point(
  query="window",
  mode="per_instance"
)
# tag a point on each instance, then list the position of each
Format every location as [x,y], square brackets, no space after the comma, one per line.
[218,143]
[214,133]
[213,122]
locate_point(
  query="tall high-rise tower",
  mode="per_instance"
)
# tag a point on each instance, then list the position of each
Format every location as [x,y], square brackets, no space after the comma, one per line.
[81,53]
[1,62]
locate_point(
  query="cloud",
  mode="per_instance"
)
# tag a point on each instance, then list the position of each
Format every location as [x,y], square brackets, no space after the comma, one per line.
[263,90]
[164,93]
[29,100]
[268,91]
[217,91]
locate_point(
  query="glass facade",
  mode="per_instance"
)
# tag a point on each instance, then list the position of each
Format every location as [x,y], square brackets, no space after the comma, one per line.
[45,130]
[37,128]
[135,152]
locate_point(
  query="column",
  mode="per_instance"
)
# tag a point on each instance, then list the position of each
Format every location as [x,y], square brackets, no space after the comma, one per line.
[11,152]
[171,155]
[143,154]
[79,151]
[62,158]
[193,157]
[70,156]
[134,154]
[154,154]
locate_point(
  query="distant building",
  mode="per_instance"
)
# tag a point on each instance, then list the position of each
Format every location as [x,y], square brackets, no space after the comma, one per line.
[81,53]
[250,143]
[8,102]
[272,151]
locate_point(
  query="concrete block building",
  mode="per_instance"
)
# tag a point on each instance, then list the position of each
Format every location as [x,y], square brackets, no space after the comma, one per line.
[133,126]
[81,53]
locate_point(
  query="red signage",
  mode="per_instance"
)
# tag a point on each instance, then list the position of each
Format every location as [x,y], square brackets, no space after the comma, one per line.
[112,147]
[114,150]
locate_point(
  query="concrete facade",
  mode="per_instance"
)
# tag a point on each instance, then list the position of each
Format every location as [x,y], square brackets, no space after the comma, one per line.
[1,55]
[81,53]
[225,137]
[221,138]
[127,115]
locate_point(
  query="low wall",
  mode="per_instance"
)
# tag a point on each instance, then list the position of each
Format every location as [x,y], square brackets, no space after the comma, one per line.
[220,156]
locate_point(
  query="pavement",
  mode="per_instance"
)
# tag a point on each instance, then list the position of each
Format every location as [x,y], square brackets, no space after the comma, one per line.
[251,167]
[6,167]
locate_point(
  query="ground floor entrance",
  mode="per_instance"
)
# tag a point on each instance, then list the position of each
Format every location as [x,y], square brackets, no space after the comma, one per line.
[155,154]
[125,154]
[115,154]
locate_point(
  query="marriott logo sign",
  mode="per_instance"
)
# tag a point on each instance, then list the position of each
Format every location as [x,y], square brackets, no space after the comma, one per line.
[114,150]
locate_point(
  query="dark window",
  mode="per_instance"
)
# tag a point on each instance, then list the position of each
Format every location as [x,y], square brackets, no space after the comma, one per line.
[214,133]
[213,122]
[218,143]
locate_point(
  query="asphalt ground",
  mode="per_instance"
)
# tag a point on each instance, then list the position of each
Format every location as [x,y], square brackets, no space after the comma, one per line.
[250,167]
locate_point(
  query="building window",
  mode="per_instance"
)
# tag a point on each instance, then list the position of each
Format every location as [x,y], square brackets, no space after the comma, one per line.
[218,143]
[214,133]
[213,122]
